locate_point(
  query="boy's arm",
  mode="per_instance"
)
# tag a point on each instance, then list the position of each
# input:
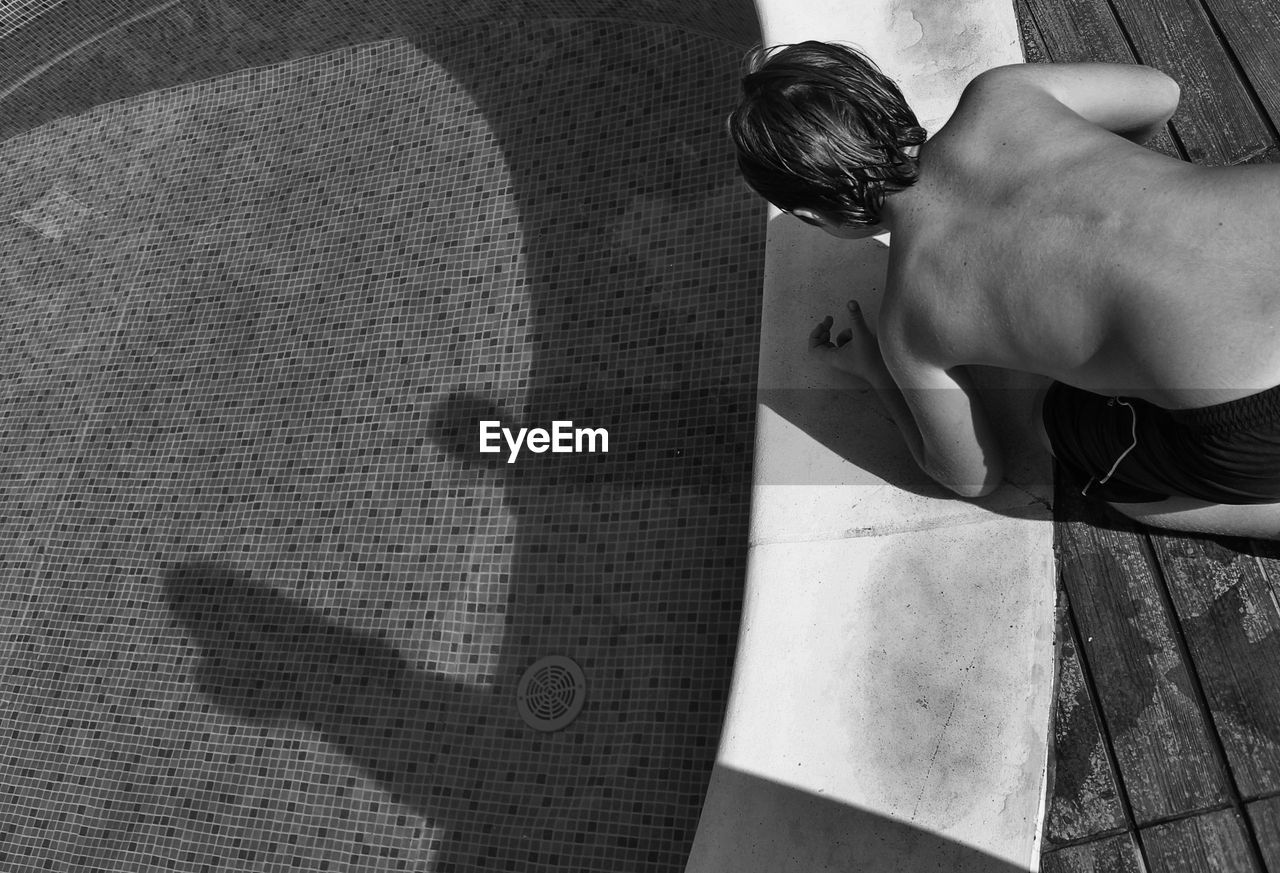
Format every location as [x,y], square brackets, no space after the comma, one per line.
[937,409]
[1127,99]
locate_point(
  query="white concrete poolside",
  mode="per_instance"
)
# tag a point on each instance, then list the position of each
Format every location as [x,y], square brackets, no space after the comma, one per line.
[891,698]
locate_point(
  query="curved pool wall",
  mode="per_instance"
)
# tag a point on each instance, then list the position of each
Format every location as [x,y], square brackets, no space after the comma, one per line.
[267,266]
[891,695]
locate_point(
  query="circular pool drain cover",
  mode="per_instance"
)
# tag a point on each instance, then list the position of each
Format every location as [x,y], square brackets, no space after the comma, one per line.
[551,693]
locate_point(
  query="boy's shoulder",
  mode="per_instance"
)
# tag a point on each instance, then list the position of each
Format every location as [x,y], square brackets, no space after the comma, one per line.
[1126,99]
[1011,126]
[993,112]
[1004,97]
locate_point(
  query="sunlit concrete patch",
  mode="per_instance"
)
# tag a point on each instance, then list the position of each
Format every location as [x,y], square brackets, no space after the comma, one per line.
[905,676]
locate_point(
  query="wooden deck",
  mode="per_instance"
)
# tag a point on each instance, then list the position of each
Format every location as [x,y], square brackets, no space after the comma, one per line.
[1167,728]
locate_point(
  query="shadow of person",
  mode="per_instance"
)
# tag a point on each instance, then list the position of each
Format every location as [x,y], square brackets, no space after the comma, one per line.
[456,753]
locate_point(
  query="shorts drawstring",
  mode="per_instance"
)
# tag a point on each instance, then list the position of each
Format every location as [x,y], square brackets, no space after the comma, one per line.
[1133,445]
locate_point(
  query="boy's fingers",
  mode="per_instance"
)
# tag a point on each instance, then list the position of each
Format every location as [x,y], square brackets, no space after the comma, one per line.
[845,336]
[821,335]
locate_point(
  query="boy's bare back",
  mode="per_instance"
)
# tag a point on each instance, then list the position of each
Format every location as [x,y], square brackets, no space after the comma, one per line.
[1035,233]
[1039,240]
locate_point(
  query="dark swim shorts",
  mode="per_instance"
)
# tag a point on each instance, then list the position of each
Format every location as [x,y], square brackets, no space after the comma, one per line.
[1225,453]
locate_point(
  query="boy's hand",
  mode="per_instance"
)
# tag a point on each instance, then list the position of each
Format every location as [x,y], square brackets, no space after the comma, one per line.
[853,351]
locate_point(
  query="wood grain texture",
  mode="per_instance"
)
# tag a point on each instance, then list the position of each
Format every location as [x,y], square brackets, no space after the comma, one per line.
[1080,30]
[1252,29]
[1084,801]
[1228,605]
[1033,48]
[1217,121]
[1211,843]
[1077,31]
[1111,855]
[1265,815]
[1158,731]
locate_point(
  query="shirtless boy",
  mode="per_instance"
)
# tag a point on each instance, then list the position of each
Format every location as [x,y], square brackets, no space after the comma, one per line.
[1033,232]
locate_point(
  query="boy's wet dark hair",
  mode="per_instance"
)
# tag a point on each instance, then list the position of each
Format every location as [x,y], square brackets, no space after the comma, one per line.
[820,126]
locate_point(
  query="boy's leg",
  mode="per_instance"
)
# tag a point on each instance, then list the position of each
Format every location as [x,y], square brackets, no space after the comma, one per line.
[1259,521]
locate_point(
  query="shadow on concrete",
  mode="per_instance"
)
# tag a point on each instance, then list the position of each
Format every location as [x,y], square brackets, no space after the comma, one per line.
[761,826]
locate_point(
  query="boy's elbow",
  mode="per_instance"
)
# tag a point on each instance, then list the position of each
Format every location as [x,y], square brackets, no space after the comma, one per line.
[1175,97]
[1170,94]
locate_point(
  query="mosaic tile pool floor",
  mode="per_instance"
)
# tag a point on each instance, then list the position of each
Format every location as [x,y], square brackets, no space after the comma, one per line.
[264,602]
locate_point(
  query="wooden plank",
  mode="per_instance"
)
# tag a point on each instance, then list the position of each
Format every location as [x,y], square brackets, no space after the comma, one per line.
[1033,48]
[1159,735]
[1211,843]
[1265,815]
[1228,604]
[1084,802]
[1111,855]
[1080,30]
[1217,120]
[1252,30]
[1075,31]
